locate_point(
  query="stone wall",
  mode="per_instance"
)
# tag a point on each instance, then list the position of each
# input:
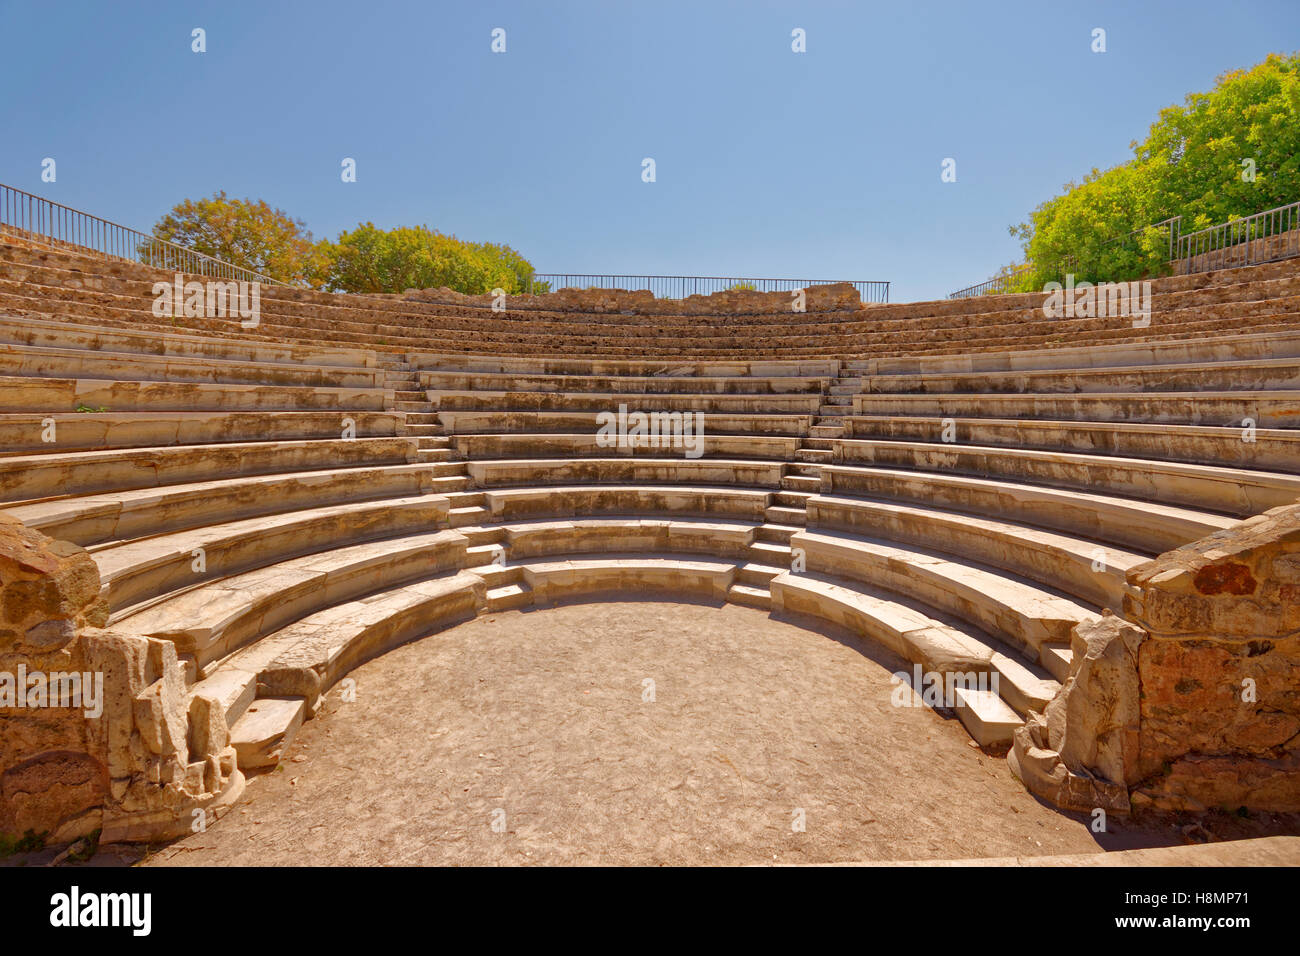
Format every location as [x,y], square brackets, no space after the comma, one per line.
[1193,702]
[126,752]
[833,297]
[1220,669]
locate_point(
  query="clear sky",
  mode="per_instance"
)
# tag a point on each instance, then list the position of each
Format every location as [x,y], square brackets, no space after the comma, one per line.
[822,165]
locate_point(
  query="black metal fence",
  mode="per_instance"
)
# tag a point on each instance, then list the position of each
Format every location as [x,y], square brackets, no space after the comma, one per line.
[998,285]
[1266,236]
[1263,237]
[53,225]
[679,287]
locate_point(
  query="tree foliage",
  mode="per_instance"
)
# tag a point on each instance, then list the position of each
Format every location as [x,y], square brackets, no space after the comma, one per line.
[366,259]
[369,259]
[244,232]
[1189,165]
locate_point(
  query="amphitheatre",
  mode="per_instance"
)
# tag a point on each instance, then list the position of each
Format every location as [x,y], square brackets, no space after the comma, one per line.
[367,559]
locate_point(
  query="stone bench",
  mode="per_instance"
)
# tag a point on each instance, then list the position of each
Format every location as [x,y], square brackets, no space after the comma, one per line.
[1022,613]
[1275,409]
[532,445]
[130,366]
[611,384]
[25,477]
[139,570]
[30,394]
[564,471]
[1252,375]
[1228,490]
[583,577]
[215,619]
[1272,448]
[25,330]
[1222,348]
[552,422]
[79,431]
[729,539]
[305,658]
[563,501]
[124,515]
[1141,526]
[559,365]
[635,402]
[1084,568]
[918,638]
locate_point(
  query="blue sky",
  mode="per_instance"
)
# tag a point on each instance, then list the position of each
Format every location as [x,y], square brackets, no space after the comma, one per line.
[821,165]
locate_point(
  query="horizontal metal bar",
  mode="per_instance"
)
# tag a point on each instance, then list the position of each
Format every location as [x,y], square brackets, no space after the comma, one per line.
[50,223]
[678,287]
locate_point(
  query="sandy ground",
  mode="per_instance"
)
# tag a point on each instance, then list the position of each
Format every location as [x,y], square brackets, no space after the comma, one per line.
[533,738]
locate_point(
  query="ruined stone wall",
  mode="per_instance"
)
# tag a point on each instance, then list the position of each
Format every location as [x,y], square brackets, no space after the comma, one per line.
[1193,702]
[123,749]
[833,297]
[1220,668]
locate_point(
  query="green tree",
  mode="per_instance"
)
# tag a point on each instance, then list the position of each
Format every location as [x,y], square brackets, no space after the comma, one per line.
[1190,165]
[244,232]
[369,259]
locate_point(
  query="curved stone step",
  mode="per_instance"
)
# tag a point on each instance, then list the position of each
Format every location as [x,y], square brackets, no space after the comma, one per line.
[125,515]
[1256,374]
[1016,610]
[1284,344]
[945,655]
[21,433]
[541,471]
[1268,448]
[730,539]
[1232,491]
[84,363]
[1089,570]
[573,365]
[473,400]
[561,501]
[213,620]
[25,330]
[480,422]
[534,445]
[1271,409]
[702,384]
[29,394]
[27,477]
[140,570]
[1139,525]
[566,579]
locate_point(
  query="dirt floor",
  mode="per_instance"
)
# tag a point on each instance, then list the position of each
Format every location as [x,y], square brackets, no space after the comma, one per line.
[534,738]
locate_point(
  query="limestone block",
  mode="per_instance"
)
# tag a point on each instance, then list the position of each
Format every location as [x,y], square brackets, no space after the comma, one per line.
[1095,721]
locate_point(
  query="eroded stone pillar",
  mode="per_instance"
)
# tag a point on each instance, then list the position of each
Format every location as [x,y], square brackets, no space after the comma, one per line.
[97,729]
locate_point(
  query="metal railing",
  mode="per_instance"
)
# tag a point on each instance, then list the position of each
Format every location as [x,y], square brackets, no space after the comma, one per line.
[679,287]
[53,225]
[1267,236]
[998,285]
[1263,237]
[1070,264]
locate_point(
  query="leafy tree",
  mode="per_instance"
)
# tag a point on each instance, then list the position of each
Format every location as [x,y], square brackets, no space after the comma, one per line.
[245,233]
[369,259]
[1190,165]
